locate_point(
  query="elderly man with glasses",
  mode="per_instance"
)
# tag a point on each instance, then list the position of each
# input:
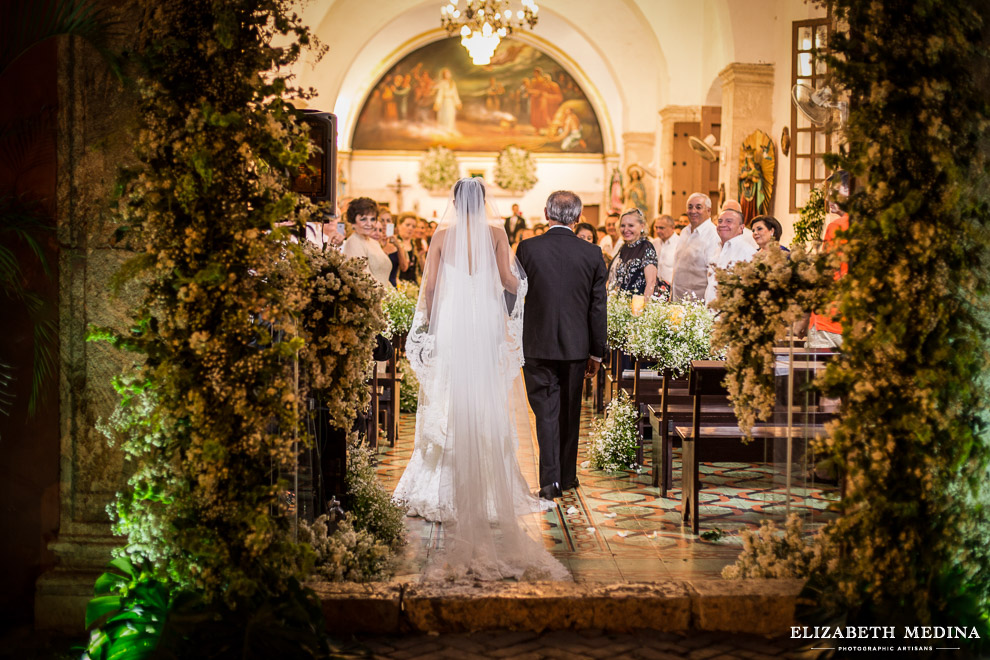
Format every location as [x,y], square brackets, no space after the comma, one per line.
[735,247]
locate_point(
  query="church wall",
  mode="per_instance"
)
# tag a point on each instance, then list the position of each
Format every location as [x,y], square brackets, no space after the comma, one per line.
[634,59]
[373,173]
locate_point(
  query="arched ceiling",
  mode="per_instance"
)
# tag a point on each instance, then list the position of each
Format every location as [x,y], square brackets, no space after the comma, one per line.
[613,54]
[632,57]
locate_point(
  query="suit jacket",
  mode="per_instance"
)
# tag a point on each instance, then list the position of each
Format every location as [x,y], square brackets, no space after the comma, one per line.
[512,226]
[565,306]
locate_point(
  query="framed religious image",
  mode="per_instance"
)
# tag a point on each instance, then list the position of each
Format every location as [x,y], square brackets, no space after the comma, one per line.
[436,96]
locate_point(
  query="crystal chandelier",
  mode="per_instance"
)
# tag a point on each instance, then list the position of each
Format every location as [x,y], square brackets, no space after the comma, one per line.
[483,23]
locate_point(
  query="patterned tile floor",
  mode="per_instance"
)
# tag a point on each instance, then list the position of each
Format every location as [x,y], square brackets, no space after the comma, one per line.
[615,527]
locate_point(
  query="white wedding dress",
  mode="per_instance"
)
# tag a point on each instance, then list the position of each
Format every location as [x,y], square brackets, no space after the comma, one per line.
[466,350]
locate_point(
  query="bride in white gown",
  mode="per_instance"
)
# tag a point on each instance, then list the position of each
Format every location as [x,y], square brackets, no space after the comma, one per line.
[466,349]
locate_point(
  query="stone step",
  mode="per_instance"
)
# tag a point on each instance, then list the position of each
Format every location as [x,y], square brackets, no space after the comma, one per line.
[764,607]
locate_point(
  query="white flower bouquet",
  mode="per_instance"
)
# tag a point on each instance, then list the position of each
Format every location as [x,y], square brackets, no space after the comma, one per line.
[672,335]
[399,306]
[619,316]
[613,438]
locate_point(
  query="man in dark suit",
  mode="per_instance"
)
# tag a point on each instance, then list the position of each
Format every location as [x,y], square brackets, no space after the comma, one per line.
[563,335]
[514,223]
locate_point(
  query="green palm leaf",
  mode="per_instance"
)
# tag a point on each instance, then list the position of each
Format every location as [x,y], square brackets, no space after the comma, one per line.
[27,23]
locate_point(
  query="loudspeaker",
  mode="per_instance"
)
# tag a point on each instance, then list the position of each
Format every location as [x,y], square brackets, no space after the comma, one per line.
[318,178]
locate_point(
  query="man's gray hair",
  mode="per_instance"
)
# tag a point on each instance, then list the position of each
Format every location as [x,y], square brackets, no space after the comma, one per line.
[564,206]
[739,215]
[703,196]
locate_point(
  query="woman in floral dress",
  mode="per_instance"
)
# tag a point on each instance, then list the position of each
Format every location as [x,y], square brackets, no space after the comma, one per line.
[634,269]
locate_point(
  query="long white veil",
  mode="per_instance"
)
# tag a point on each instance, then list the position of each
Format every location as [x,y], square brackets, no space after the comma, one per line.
[466,349]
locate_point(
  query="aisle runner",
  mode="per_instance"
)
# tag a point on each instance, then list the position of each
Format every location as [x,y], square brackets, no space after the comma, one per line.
[615,527]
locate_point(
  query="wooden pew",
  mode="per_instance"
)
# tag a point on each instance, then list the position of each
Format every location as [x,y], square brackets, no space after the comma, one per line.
[677,407]
[706,379]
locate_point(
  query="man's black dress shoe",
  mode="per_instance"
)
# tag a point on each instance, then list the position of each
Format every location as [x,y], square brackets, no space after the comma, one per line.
[551,492]
[573,484]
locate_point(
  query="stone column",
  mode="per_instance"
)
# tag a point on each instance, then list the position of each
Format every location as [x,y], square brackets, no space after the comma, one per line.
[640,149]
[94,140]
[747,105]
[670,115]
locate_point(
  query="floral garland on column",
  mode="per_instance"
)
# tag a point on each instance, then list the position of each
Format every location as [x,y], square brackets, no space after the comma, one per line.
[515,169]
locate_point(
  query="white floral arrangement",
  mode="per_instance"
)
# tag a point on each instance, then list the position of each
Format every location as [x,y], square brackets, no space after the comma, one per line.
[515,169]
[619,316]
[672,335]
[399,306]
[770,552]
[439,169]
[613,439]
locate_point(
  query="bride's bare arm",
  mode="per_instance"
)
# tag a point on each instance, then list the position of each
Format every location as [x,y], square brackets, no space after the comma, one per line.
[503,252]
[431,271]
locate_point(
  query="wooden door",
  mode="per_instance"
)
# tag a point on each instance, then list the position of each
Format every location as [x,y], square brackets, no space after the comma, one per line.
[685,170]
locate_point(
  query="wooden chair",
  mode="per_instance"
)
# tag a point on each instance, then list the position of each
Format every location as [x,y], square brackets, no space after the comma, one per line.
[389,382]
[677,407]
[645,392]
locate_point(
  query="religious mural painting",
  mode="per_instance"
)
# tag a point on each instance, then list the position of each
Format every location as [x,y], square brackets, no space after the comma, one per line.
[436,96]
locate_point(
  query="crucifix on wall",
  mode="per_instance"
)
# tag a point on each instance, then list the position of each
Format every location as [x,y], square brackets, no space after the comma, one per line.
[397,187]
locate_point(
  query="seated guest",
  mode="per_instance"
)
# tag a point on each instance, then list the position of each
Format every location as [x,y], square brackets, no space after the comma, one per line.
[634,268]
[362,214]
[539,229]
[734,248]
[390,245]
[521,236]
[421,241]
[585,231]
[611,241]
[405,230]
[767,232]
[665,243]
[697,248]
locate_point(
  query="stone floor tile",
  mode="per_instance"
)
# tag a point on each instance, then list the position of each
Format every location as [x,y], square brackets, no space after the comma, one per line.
[646,653]
[515,649]
[421,649]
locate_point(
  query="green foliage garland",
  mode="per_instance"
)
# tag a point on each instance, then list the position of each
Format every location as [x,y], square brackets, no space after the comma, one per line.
[808,229]
[221,283]
[757,302]
[914,375]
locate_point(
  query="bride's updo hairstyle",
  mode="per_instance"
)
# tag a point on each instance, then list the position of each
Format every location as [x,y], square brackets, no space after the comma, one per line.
[466,185]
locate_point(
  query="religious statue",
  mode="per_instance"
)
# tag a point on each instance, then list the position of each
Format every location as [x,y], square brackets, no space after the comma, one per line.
[636,190]
[756,175]
[615,192]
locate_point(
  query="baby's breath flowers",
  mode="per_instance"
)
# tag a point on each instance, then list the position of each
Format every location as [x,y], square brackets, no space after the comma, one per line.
[612,443]
[757,302]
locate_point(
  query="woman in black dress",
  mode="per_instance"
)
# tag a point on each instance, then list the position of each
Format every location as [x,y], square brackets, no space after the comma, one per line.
[634,269]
